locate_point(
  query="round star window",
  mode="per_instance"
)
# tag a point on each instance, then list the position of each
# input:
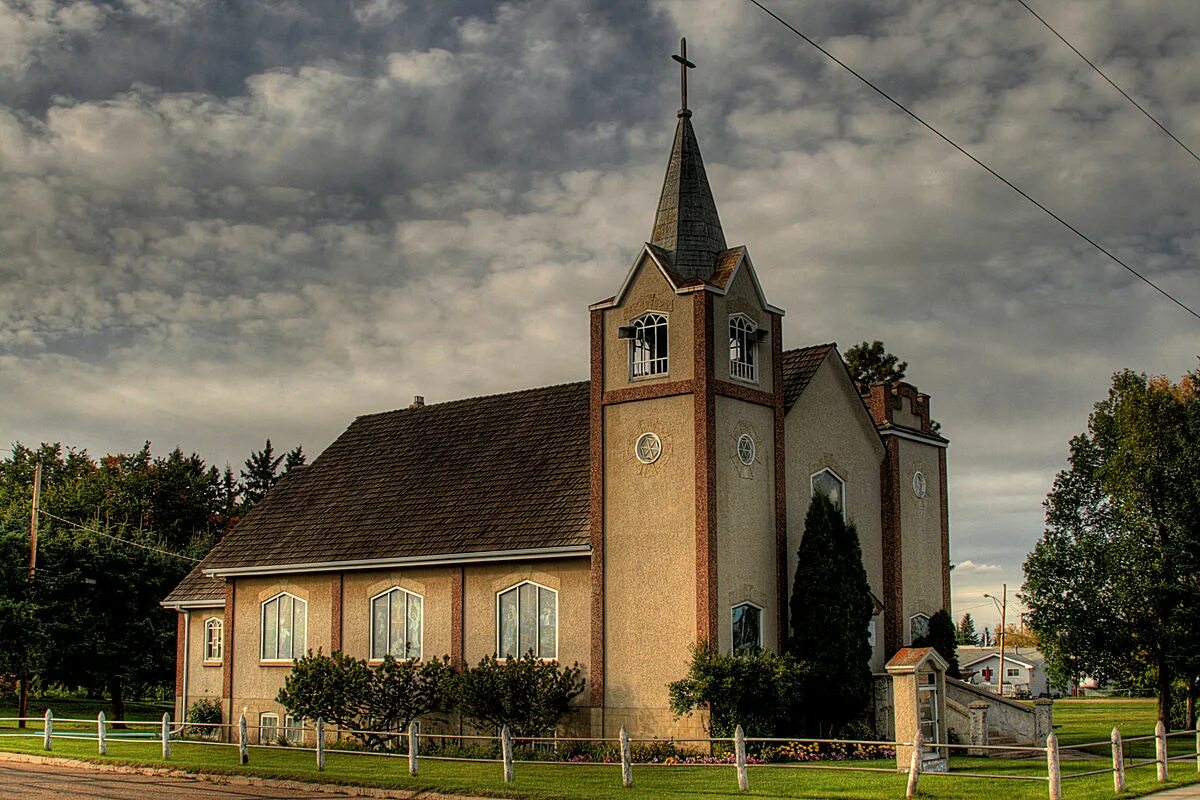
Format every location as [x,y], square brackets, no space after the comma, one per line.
[745,449]
[648,448]
[919,487]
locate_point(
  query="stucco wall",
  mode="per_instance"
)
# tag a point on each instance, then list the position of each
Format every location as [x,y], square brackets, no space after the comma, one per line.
[828,427]
[745,519]
[204,678]
[255,684]
[920,532]
[649,291]
[650,559]
[742,298]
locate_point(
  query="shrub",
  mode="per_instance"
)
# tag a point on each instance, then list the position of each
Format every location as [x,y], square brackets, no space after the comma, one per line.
[205,711]
[528,695]
[755,690]
[347,692]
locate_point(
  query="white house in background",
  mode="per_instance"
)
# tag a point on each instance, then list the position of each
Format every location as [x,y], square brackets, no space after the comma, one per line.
[1024,669]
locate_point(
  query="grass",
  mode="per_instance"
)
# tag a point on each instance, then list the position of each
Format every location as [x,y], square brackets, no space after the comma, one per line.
[1079,722]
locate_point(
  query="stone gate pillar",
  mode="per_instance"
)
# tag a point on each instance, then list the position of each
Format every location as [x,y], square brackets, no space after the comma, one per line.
[919,697]
[1043,720]
[979,726]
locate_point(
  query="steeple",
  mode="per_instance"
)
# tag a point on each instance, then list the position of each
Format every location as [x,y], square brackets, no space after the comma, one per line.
[686,224]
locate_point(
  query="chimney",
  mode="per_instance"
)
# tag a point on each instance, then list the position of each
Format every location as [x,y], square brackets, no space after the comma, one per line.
[418,401]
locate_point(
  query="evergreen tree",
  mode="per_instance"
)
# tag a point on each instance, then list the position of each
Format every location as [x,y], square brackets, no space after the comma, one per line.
[830,611]
[295,458]
[872,363]
[260,474]
[943,638]
[966,633]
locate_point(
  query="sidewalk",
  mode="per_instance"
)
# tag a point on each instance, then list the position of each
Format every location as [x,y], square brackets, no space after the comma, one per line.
[1191,792]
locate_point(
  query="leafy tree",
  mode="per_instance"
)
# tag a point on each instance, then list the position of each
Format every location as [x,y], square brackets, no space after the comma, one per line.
[830,611]
[1015,636]
[872,363]
[759,691]
[942,637]
[966,634]
[1112,586]
[347,692]
[527,694]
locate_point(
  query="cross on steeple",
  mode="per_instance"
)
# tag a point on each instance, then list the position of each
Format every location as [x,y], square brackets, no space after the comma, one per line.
[684,66]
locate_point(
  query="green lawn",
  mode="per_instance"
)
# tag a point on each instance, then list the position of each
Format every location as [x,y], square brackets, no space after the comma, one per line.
[1078,723]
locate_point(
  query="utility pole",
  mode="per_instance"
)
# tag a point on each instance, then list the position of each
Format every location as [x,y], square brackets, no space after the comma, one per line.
[23,700]
[1002,606]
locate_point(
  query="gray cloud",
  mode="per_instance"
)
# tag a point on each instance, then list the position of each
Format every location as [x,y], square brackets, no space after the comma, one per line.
[227,221]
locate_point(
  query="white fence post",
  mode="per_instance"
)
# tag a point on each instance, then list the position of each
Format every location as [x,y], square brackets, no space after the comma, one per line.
[1118,759]
[166,735]
[506,751]
[243,741]
[626,760]
[412,748]
[914,766]
[48,731]
[320,744]
[101,741]
[1053,768]
[1160,750]
[739,754]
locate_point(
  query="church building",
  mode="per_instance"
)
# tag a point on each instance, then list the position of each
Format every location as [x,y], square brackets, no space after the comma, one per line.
[612,522]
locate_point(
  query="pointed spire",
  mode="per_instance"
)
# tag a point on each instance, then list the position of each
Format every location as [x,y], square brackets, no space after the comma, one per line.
[686,224]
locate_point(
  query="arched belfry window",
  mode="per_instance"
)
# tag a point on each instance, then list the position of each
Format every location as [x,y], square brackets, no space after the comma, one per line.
[648,345]
[743,348]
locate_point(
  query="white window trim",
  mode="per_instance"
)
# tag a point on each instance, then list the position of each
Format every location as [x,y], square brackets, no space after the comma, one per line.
[293,729]
[752,345]
[845,494]
[219,624]
[371,623]
[262,716]
[262,631]
[761,621]
[633,346]
[753,451]
[499,633]
[637,443]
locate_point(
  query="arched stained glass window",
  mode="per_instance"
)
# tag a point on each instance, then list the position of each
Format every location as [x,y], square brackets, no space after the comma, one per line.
[397,619]
[527,621]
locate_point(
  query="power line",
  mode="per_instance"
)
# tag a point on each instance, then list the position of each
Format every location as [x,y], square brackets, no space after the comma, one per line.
[119,539]
[1100,72]
[968,154]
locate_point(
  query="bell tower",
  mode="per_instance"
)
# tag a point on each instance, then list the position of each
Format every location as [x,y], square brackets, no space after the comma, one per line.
[686,417]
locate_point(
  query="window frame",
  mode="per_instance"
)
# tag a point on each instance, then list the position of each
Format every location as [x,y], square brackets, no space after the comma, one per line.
[502,656]
[747,332]
[732,635]
[218,624]
[371,624]
[812,489]
[293,729]
[262,631]
[911,618]
[261,716]
[639,324]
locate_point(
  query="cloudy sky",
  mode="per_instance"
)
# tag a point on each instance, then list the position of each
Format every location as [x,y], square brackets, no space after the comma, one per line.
[226,221]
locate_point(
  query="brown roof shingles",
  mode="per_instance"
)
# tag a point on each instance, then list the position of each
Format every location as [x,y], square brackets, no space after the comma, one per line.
[197,587]
[799,367]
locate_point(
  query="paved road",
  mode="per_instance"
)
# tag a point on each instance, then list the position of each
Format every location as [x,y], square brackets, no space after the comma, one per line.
[53,782]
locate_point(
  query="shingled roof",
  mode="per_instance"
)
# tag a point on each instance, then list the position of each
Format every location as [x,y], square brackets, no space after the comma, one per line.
[505,472]
[799,367]
[492,474]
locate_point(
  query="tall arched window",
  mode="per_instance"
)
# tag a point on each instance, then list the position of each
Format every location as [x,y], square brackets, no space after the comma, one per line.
[648,348]
[397,617]
[743,348]
[284,627]
[527,620]
[214,639]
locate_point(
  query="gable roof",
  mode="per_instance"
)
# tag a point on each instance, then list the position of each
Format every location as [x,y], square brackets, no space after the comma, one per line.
[799,367]
[504,474]
[197,590]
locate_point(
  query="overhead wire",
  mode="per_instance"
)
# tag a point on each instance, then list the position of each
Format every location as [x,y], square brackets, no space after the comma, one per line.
[1109,80]
[928,126]
[118,538]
